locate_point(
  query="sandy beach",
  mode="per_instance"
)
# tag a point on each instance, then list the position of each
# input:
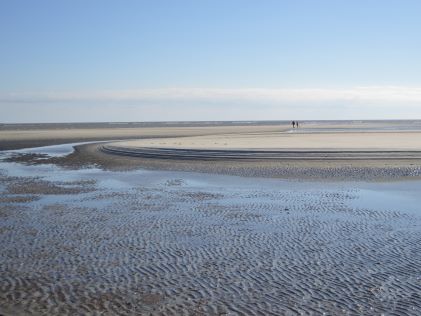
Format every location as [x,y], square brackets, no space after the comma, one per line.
[291,140]
[89,232]
[369,150]
[29,135]
[210,158]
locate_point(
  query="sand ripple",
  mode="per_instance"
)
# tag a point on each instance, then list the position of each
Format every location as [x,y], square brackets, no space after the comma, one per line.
[174,248]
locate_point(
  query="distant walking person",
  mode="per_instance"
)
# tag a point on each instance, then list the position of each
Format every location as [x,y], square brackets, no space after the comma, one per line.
[293,124]
[296,124]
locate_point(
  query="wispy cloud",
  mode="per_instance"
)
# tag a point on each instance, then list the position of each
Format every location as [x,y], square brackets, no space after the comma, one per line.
[356,94]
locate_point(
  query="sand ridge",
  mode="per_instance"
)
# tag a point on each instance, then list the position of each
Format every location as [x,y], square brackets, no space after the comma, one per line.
[289,140]
[289,144]
[364,150]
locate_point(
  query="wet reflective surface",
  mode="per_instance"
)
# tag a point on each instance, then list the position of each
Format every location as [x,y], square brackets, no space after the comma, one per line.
[157,242]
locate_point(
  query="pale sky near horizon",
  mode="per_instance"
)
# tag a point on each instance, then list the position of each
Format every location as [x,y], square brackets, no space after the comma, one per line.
[99,60]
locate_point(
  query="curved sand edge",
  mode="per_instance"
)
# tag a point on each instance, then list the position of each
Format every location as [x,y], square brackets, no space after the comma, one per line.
[92,155]
[279,145]
[209,154]
[353,155]
[376,157]
[297,170]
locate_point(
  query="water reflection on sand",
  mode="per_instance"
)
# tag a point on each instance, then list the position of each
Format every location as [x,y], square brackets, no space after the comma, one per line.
[139,242]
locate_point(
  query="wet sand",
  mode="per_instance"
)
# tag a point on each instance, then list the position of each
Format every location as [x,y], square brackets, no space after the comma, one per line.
[87,232]
[378,150]
[89,241]
[92,155]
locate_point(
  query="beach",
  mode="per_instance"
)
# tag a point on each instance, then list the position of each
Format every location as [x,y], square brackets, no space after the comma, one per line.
[221,158]
[15,136]
[348,150]
[84,231]
[291,140]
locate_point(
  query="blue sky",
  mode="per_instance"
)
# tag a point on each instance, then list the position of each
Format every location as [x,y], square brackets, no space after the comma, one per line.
[209,60]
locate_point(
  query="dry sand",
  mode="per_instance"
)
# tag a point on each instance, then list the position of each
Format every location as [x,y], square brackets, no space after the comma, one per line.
[23,136]
[290,140]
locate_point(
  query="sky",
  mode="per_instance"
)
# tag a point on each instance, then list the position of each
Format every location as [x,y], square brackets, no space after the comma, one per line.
[182,60]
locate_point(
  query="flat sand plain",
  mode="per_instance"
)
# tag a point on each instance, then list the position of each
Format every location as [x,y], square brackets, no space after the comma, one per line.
[23,136]
[372,150]
[317,150]
[290,140]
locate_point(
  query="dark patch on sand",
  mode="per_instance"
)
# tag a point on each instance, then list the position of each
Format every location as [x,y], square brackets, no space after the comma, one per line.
[37,186]
[18,198]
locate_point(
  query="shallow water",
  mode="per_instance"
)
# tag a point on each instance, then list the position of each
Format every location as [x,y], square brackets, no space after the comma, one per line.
[50,151]
[157,242]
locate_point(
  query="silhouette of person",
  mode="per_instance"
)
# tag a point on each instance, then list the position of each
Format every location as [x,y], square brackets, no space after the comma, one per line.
[293,124]
[296,124]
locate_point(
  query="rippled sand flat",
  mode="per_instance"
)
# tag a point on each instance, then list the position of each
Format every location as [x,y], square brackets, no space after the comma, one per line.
[168,243]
